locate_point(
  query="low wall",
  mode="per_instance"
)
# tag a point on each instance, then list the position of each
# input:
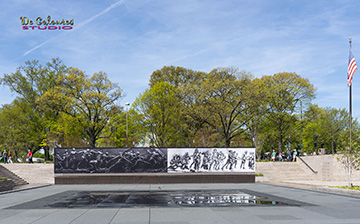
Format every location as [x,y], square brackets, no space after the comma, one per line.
[154,165]
[329,168]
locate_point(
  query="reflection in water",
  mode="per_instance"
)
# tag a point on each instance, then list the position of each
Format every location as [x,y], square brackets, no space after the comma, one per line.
[212,198]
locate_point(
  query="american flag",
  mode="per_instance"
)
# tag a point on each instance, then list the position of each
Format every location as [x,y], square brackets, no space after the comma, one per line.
[351,68]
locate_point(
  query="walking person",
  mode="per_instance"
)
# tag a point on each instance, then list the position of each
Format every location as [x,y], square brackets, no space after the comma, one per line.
[5,155]
[29,156]
[288,155]
[281,158]
[9,157]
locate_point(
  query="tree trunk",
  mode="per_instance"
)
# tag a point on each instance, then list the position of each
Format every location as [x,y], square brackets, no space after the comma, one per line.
[47,153]
[92,139]
[280,143]
[227,142]
[92,142]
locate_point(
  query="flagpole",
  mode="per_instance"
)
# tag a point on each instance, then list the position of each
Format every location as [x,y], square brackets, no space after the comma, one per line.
[350,105]
[352,67]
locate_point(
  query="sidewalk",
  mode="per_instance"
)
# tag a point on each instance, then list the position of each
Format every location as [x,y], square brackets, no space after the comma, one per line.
[322,186]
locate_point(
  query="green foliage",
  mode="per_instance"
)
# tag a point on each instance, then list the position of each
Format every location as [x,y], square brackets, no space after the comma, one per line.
[30,82]
[161,110]
[176,76]
[327,129]
[190,131]
[42,156]
[91,101]
[286,93]
[356,188]
[264,160]
[56,106]
[256,127]
[115,133]
[19,128]
[60,106]
[223,102]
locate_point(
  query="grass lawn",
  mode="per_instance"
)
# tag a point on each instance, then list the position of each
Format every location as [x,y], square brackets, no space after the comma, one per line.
[357,188]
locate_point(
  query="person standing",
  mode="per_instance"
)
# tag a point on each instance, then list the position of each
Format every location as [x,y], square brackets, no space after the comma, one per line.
[5,155]
[294,156]
[273,156]
[29,156]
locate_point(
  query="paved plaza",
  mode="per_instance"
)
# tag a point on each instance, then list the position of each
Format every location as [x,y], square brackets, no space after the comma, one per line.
[177,204]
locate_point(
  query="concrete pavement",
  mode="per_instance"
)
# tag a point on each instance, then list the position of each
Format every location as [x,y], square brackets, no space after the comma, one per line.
[299,202]
[298,206]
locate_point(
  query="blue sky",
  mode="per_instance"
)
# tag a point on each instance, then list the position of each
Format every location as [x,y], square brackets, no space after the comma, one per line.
[129,39]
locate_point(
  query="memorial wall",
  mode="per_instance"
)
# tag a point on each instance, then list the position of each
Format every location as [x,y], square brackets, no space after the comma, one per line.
[154,160]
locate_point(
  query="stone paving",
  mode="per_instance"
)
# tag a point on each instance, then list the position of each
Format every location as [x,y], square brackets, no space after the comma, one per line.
[299,206]
[283,202]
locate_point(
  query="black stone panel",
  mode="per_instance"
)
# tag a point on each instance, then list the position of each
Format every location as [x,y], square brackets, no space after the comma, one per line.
[110,160]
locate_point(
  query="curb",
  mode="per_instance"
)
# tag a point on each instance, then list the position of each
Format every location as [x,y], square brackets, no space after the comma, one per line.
[340,191]
[24,189]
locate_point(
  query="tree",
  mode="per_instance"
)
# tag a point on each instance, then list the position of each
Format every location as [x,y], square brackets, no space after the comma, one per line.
[325,126]
[116,130]
[66,132]
[222,101]
[90,100]
[18,131]
[257,112]
[332,123]
[176,76]
[181,78]
[30,82]
[161,109]
[285,92]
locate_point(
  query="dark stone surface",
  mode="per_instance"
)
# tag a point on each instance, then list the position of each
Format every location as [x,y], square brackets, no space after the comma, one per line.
[154,178]
[110,160]
[6,185]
